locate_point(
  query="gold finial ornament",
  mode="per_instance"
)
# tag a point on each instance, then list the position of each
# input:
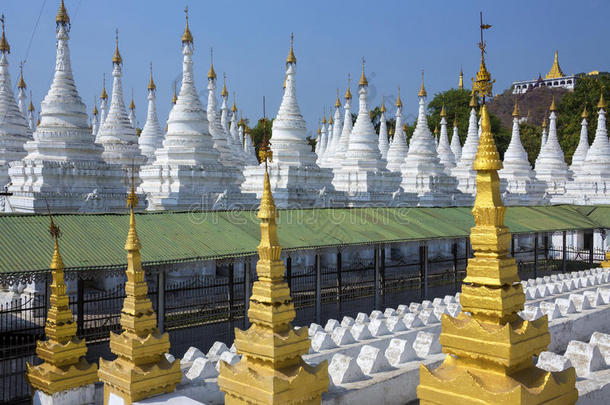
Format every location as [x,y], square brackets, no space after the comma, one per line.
[224,92]
[324,115]
[553,107]
[175,97]
[555,72]
[62,17]
[436,131]
[455,123]
[116,58]
[422,89]
[473,101]
[382,109]
[151,83]
[461,81]
[5,48]
[443,112]
[363,81]
[348,92]
[404,128]
[95,111]
[545,124]
[132,105]
[234,107]
[211,72]
[584,114]
[489,346]
[187,37]
[21,83]
[483,84]
[398,100]
[331,121]
[338,102]
[64,366]
[141,369]
[272,370]
[31,106]
[291,58]
[104,95]
[602,103]
[516,112]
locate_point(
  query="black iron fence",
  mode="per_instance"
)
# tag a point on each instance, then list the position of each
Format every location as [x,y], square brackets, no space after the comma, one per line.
[201,309]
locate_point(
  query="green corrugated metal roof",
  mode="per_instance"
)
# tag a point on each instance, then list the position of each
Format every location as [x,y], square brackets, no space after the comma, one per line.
[97,240]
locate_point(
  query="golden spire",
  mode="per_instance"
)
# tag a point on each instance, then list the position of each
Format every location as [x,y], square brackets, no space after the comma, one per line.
[324,115]
[461,82]
[455,123]
[363,81]
[555,72]
[31,106]
[544,123]
[602,103]
[382,109]
[483,84]
[391,132]
[211,72]
[516,112]
[21,83]
[443,112]
[151,82]
[62,17]
[140,369]
[64,366]
[132,105]
[348,93]
[285,79]
[104,95]
[117,55]
[330,116]
[38,120]
[95,111]
[4,45]
[234,107]
[187,37]
[473,101]
[436,131]
[291,58]
[398,100]
[175,97]
[584,114]
[338,102]
[224,92]
[553,107]
[422,89]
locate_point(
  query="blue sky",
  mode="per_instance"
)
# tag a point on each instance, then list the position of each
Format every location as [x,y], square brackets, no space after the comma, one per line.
[251,40]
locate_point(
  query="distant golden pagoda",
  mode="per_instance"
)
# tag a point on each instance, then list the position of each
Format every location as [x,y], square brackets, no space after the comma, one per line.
[489,346]
[64,366]
[272,370]
[140,369]
[555,72]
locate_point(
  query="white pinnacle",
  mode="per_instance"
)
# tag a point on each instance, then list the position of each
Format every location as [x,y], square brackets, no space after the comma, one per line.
[151,137]
[597,162]
[580,153]
[456,147]
[550,165]
[383,136]
[445,153]
[337,129]
[399,149]
[346,131]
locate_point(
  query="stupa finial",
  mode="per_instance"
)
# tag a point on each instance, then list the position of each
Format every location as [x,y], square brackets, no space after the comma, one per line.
[291,58]
[116,58]
[363,81]
[5,48]
[187,37]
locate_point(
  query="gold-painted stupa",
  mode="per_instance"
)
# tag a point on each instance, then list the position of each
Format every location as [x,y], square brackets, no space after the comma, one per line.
[489,346]
[272,370]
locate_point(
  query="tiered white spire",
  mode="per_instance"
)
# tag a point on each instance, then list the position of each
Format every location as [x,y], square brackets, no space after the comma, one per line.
[550,165]
[22,97]
[456,146]
[445,153]
[13,127]
[249,149]
[323,143]
[234,145]
[103,103]
[580,153]
[337,129]
[463,170]
[117,135]
[132,112]
[398,149]
[383,133]
[597,162]
[234,133]
[151,137]
[31,113]
[422,172]
[95,123]
[346,131]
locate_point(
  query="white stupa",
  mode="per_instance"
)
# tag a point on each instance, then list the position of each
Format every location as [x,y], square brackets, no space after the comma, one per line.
[103,105]
[187,173]
[580,154]
[521,185]
[152,135]
[399,149]
[543,138]
[384,145]
[234,133]
[463,171]
[445,154]
[591,183]
[324,144]
[337,129]
[232,141]
[31,114]
[346,130]
[21,96]
[13,127]
[423,174]
[95,123]
[117,135]
[64,167]
[551,167]
[296,179]
[363,176]
[456,146]
[248,149]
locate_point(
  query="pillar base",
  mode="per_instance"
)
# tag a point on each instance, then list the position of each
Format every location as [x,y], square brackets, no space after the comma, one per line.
[83,395]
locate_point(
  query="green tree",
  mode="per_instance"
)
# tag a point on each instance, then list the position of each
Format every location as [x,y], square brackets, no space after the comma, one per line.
[256,132]
[530,139]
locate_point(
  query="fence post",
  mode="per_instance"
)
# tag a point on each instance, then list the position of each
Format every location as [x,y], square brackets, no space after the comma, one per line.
[425,271]
[536,255]
[512,245]
[161,301]
[289,272]
[591,250]
[376,283]
[339,281]
[318,288]
[455,261]
[382,270]
[80,305]
[231,292]
[563,259]
[247,282]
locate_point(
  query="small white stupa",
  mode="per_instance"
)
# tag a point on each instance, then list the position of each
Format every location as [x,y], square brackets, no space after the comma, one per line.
[152,135]
[551,167]
[187,173]
[463,171]
[296,179]
[522,187]
[456,146]
[95,122]
[346,130]
[234,144]
[384,145]
[324,143]
[64,167]
[445,153]
[248,148]
[21,96]
[31,113]
[423,174]
[337,130]
[399,149]
[580,154]
[132,112]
